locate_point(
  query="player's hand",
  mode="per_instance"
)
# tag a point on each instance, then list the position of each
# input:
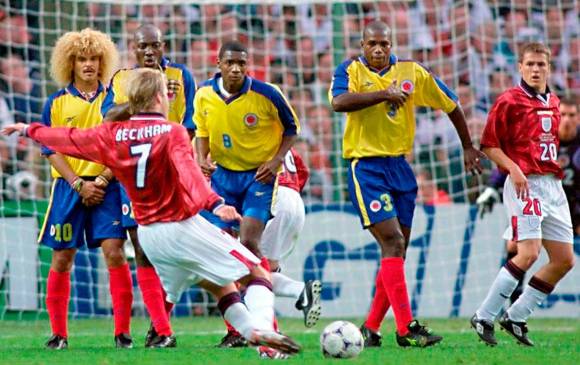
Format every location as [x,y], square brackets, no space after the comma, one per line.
[91,194]
[395,97]
[472,160]
[207,166]
[14,128]
[268,171]
[227,213]
[486,200]
[520,183]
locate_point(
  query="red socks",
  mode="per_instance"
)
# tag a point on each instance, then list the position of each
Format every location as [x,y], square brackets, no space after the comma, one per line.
[57,298]
[379,306]
[121,287]
[392,273]
[154,299]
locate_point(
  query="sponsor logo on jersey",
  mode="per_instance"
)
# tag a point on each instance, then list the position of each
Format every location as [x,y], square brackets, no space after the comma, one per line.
[125,209]
[407,86]
[69,120]
[251,120]
[546,124]
[368,83]
[260,193]
[375,206]
[116,223]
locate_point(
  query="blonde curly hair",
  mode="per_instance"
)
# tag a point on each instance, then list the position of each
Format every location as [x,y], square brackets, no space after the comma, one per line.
[89,42]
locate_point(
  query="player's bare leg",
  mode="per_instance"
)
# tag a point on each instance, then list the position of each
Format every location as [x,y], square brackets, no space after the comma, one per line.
[160,334]
[391,239]
[511,248]
[561,256]
[121,288]
[251,230]
[58,296]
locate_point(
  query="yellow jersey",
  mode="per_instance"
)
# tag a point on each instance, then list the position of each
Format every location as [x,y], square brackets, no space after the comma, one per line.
[68,108]
[180,102]
[381,130]
[246,129]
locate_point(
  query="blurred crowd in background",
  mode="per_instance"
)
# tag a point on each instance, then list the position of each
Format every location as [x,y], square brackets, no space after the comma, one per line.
[471,45]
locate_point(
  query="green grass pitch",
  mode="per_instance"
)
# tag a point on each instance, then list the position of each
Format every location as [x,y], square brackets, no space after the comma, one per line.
[91,343]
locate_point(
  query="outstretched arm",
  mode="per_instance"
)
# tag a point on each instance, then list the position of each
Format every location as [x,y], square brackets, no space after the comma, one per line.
[85,144]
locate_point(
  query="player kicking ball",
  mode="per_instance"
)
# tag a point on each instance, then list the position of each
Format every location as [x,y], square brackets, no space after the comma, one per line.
[521,137]
[155,162]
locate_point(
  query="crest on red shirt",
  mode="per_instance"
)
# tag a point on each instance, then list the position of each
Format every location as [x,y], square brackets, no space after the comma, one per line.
[251,120]
[546,124]
[407,86]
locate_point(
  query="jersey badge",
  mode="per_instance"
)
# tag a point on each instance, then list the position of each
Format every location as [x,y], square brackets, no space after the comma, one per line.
[251,120]
[546,124]
[407,86]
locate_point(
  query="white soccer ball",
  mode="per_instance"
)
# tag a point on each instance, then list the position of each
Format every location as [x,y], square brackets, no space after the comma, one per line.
[341,340]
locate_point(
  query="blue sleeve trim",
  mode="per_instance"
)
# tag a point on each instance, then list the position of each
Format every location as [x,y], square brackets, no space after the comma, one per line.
[189,89]
[340,79]
[284,110]
[47,117]
[450,94]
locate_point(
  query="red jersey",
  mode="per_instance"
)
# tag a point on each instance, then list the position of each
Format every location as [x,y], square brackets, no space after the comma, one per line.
[294,172]
[525,126]
[151,157]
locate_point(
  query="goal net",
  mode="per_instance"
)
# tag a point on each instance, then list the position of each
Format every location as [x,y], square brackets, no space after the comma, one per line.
[470,45]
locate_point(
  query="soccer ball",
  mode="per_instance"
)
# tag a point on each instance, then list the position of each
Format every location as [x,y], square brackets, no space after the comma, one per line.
[341,340]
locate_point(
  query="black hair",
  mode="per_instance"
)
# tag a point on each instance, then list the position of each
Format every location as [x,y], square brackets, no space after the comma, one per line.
[232,46]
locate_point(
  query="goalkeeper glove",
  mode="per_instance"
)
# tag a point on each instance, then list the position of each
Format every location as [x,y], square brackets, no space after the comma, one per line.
[486,201]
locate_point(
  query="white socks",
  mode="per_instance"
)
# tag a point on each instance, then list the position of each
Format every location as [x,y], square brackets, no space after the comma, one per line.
[239,317]
[260,302]
[500,291]
[530,299]
[283,286]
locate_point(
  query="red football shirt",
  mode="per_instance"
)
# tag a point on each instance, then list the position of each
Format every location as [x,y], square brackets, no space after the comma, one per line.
[151,157]
[295,173]
[525,126]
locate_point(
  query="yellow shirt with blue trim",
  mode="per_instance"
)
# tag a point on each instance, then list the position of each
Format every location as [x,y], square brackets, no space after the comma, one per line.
[68,108]
[246,129]
[180,102]
[382,130]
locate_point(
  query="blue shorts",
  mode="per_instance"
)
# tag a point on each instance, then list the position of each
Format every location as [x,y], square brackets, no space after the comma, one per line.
[381,188]
[68,222]
[128,219]
[240,190]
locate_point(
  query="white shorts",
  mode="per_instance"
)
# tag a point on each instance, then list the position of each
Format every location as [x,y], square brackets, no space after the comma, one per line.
[280,233]
[184,253]
[545,215]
